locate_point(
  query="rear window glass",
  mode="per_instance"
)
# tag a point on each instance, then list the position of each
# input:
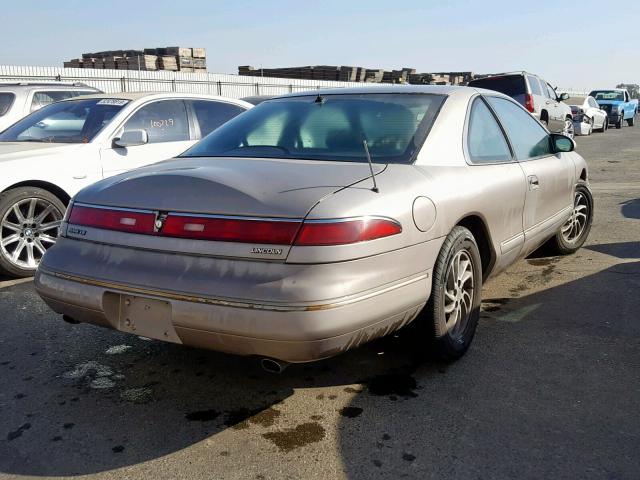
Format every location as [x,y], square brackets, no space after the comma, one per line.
[6,100]
[607,95]
[510,85]
[330,127]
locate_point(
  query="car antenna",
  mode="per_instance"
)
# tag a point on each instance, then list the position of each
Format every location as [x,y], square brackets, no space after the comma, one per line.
[373,177]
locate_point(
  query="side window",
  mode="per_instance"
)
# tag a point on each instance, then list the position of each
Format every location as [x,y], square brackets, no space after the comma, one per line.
[543,87]
[164,121]
[592,102]
[528,138]
[485,140]
[534,85]
[43,98]
[552,92]
[6,100]
[210,115]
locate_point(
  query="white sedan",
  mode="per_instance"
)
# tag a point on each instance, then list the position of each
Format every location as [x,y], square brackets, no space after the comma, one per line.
[48,156]
[587,115]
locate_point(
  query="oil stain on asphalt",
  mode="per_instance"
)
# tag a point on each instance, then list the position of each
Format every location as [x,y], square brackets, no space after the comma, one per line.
[299,436]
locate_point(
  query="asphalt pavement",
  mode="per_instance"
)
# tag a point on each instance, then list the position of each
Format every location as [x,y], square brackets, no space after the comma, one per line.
[549,389]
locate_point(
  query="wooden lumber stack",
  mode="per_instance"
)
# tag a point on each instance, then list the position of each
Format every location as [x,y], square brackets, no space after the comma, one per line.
[185,59]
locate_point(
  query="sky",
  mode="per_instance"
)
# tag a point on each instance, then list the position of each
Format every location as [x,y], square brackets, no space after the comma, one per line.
[573,44]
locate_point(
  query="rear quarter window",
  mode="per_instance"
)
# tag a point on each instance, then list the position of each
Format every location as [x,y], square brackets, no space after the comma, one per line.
[6,100]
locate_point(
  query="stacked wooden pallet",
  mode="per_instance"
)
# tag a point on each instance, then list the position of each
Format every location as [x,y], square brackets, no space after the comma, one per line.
[185,59]
[357,74]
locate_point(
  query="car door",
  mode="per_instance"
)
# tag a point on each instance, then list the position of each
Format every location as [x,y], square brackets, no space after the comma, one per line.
[549,176]
[168,131]
[210,114]
[556,122]
[598,116]
[550,106]
[492,161]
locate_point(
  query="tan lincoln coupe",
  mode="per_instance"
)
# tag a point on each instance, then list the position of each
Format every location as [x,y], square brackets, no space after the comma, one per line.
[318,221]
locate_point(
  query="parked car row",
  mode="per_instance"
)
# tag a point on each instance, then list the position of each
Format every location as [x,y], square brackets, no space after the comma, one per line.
[560,113]
[51,154]
[298,228]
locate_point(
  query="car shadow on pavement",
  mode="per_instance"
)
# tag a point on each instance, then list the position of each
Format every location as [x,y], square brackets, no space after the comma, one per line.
[623,250]
[544,390]
[549,389]
[631,208]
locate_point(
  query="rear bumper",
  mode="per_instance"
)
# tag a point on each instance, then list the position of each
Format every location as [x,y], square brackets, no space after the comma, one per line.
[295,330]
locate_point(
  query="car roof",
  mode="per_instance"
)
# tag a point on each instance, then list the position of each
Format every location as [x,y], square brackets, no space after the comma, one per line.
[31,85]
[433,89]
[133,96]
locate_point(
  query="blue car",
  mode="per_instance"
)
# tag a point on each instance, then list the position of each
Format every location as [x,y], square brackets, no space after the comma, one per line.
[618,105]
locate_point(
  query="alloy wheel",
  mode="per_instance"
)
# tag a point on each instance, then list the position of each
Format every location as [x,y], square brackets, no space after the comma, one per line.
[568,128]
[27,230]
[574,227]
[458,298]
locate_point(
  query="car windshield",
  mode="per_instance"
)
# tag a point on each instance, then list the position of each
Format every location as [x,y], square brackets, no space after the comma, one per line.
[72,121]
[327,127]
[607,95]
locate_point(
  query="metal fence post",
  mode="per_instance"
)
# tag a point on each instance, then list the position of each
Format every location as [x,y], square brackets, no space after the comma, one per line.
[123,85]
[219,88]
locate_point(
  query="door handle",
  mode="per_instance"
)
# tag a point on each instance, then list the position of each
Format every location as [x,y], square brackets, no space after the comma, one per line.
[80,177]
[534,183]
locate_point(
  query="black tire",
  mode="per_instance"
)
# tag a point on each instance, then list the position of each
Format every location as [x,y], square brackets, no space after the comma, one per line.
[449,344]
[604,124]
[544,120]
[631,121]
[563,244]
[620,121]
[8,218]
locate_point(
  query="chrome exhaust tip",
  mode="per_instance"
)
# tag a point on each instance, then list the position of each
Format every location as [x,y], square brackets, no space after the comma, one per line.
[273,366]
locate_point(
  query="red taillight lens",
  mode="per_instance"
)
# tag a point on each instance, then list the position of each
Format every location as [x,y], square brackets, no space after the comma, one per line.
[231,230]
[528,102]
[120,220]
[344,232]
[238,229]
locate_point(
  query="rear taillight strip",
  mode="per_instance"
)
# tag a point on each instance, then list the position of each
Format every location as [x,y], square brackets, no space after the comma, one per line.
[260,230]
[121,220]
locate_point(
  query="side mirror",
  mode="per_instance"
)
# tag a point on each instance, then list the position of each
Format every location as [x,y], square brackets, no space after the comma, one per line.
[562,143]
[131,138]
[563,96]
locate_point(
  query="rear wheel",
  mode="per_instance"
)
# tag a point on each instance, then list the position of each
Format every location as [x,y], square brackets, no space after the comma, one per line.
[631,121]
[451,315]
[29,222]
[575,231]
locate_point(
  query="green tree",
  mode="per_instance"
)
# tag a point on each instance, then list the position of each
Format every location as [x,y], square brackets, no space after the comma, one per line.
[632,88]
